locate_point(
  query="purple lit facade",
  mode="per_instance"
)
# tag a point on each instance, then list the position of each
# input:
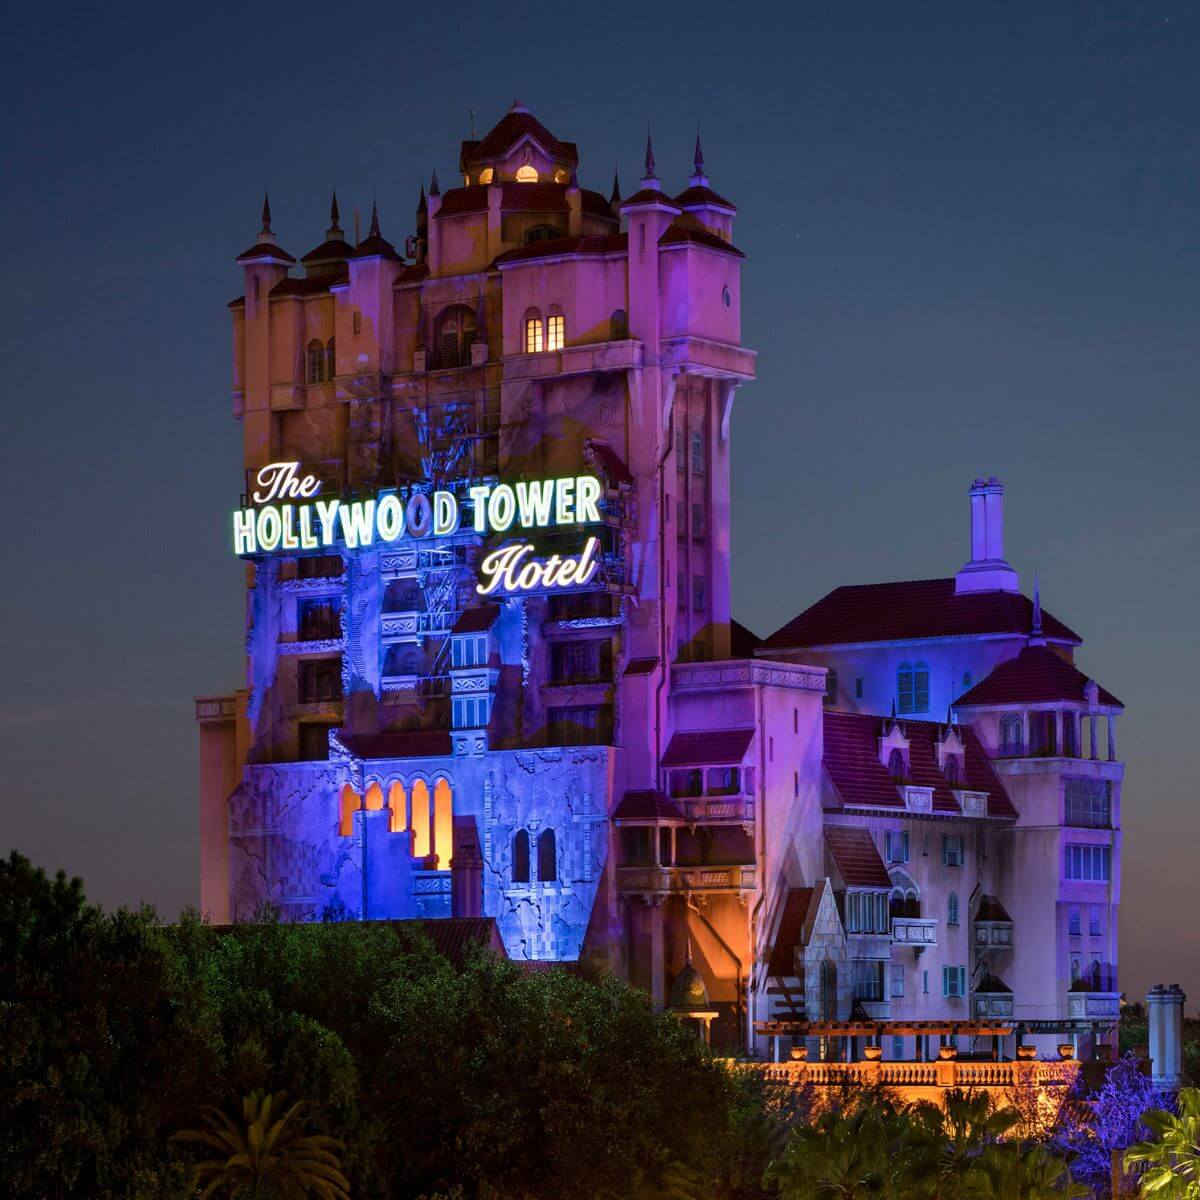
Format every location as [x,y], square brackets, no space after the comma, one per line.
[904,804]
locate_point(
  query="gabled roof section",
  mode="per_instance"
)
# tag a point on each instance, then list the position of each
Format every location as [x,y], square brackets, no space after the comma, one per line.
[857,857]
[678,235]
[507,132]
[912,611]
[266,250]
[1036,675]
[853,767]
[699,196]
[990,909]
[708,748]
[476,620]
[742,641]
[647,804]
[331,250]
[782,962]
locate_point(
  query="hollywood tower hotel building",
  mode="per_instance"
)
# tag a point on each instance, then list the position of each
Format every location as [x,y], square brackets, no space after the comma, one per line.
[492,669]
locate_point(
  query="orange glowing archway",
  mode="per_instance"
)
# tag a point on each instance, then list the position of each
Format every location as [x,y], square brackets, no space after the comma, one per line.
[443,823]
[350,804]
[420,819]
[398,807]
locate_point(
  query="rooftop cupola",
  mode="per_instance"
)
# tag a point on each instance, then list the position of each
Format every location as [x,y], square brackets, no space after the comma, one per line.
[520,149]
[266,247]
[987,570]
[375,245]
[702,205]
[330,256]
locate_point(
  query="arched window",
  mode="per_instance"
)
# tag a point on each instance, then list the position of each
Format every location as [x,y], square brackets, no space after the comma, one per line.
[952,909]
[410,599]
[896,764]
[542,233]
[831,687]
[953,770]
[697,452]
[547,857]
[1012,735]
[315,362]
[527,174]
[411,723]
[443,824]
[398,808]
[556,329]
[408,663]
[618,325]
[912,687]
[520,857]
[533,331]
[420,819]
[330,359]
[486,175]
[348,807]
[455,333]
[374,800]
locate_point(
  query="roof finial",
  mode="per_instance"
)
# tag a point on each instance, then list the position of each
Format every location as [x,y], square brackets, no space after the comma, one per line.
[266,215]
[333,211]
[434,190]
[373,232]
[1036,637]
[616,188]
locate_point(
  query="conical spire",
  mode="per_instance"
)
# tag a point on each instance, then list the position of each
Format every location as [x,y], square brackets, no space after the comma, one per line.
[615,198]
[333,209]
[434,190]
[266,216]
[373,232]
[699,178]
[650,175]
[421,204]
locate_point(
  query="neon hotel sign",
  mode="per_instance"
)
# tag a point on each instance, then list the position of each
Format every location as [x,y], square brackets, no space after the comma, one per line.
[288,516]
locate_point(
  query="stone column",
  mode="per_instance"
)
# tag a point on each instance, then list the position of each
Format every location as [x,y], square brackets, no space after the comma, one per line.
[658,967]
[1165,1005]
[1112,738]
[1092,718]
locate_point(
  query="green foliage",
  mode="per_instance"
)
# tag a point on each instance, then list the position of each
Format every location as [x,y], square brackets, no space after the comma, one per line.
[1171,1161]
[262,1152]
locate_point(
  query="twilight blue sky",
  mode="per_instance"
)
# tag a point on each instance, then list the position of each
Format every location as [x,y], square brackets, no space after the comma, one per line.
[974,244]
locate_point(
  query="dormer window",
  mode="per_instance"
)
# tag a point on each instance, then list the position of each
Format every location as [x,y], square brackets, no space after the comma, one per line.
[486,175]
[896,764]
[527,174]
[953,770]
[560,176]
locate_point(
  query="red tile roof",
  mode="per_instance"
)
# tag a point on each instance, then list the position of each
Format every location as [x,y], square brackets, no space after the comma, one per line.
[590,244]
[423,743]
[602,455]
[455,938]
[1036,674]
[266,250]
[595,204]
[313,285]
[923,608]
[534,197]
[678,235]
[857,857]
[791,926]
[376,246]
[713,747]
[742,642]
[507,132]
[640,666]
[695,197]
[650,196]
[464,200]
[647,804]
[858,777]
[477,620]
[334,248]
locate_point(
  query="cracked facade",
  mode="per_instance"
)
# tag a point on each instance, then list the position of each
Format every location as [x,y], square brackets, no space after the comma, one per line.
[895,806]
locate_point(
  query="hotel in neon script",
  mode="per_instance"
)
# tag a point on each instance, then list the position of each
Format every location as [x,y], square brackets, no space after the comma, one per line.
[492,668]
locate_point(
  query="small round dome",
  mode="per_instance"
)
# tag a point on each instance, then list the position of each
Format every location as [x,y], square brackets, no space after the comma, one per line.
[688,993]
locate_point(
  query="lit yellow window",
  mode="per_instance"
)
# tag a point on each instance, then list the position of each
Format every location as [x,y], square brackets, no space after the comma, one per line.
[560,176]
[554,332]
[533,335]
[486,175]
[527,174]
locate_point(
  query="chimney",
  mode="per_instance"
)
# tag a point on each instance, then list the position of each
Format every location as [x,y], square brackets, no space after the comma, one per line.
[1165,1002]
[987,570]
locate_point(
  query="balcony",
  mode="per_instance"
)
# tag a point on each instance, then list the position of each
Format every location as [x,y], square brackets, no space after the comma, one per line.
[996,936]
[992,998]
[704,880]
[714,810]
[918,932]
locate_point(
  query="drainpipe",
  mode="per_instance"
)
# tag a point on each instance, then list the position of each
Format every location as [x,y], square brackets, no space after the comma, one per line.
[759,854]
[660,472]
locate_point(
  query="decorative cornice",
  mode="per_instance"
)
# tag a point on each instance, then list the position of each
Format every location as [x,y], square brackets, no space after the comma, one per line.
[745,673]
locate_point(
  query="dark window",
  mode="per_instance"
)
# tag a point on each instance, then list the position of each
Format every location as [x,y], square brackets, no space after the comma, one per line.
[455,333]
[320,680]
[953,770]
[1073,923]
[912,687]
[320,620]
[330,360]
[575,606]
[520,869]
[952,909]
[698,521]
[858,688]
[547,858]
[697,453]
[831,687]
[1088,803]
[1042,740]
[319,566]
[867,978]
[315,362]
[582,726]
[314,742]
[581,662]
[896,764]
[618,325]
[1012,735]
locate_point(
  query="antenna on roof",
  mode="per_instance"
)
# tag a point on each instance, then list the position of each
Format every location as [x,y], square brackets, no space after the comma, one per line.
[357,225]
[472,112]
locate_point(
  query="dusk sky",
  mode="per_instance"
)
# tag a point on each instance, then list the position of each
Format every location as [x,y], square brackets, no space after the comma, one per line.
[973,247]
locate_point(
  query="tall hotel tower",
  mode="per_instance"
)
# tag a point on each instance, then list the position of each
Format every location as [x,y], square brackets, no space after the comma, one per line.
[491,668]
